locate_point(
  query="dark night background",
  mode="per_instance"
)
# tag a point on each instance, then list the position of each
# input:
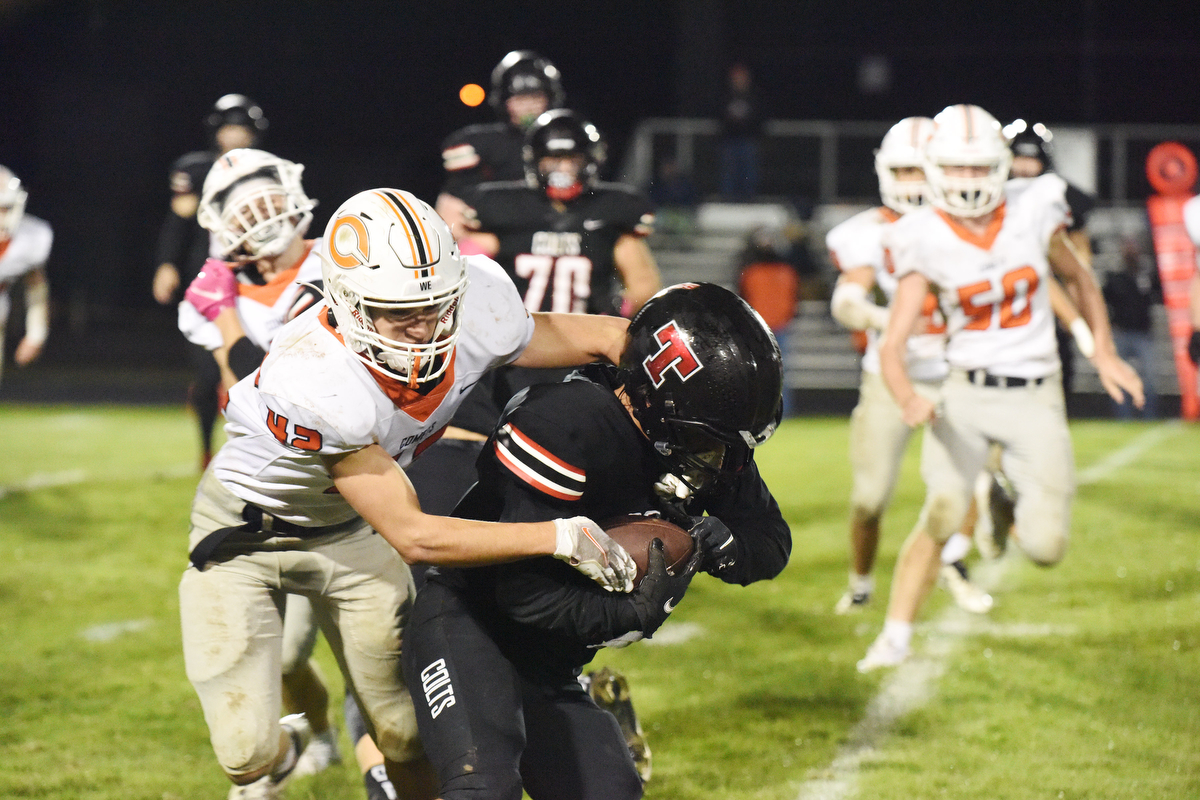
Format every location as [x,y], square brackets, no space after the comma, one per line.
[99,97]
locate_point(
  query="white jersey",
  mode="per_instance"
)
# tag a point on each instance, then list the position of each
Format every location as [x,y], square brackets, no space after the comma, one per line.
[1191,221]
[858,242]
[992,288]
[262,310]
[25,251]
[312,397]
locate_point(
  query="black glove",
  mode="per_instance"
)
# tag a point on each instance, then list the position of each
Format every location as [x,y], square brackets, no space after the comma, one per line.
[659,592]
[716,543]
[1194,347]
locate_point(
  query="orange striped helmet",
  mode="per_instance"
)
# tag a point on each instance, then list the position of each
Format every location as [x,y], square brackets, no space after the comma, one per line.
[966,136]
[385,249]
[901,148]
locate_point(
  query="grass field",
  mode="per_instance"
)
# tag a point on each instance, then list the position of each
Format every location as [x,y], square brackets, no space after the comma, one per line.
[1083,682]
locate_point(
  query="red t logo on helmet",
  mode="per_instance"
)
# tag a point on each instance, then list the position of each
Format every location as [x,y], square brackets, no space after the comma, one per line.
[675,354]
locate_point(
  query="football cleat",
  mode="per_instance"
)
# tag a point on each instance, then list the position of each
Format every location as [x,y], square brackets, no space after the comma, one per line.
[610,691]
[995,515]
[969,597]
[270,787]
[321,754]
[852,602]
[882,653]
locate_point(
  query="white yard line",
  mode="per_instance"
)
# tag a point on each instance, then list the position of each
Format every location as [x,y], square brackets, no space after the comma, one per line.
[70,477]
[912,684]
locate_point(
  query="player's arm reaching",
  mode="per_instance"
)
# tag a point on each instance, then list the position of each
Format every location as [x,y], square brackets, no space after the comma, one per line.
[638,270]
[1117,377]
[566,340]
[378,489]
[1071,319]
[906,309]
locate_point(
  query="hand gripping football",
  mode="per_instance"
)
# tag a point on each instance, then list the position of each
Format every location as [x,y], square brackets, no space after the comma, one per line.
[634,533]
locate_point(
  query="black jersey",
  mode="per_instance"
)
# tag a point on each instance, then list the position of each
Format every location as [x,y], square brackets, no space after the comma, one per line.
[569,449]
[482,153]
[181,241]
[562,260]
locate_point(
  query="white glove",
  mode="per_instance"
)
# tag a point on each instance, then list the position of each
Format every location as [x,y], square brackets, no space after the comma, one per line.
[586,547]
[669,487]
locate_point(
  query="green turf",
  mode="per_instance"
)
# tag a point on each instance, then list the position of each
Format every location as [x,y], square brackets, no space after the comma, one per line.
[1082,682]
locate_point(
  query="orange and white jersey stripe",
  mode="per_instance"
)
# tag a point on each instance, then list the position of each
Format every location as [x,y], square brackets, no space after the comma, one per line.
[992,288]
[312,398]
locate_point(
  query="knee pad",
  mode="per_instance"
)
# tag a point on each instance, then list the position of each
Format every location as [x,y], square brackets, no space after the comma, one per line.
[244,750]
[483,784]
[1042,528]
[942,515]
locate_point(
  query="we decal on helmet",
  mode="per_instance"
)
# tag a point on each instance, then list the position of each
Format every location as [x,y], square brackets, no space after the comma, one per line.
[349,245]
[675,355]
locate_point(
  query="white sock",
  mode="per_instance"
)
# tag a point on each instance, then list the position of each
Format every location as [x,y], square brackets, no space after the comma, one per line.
[861,584]
[957,547]
[898,633]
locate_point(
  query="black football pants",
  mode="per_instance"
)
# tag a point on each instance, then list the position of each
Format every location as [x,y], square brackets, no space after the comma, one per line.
[489,731]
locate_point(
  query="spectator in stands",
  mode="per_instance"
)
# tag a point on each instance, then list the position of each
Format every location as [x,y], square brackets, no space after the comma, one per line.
[771,285]
[741,129]
[674,195]
[1131,292]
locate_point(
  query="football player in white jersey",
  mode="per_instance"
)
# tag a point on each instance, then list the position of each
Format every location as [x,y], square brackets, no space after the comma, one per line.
[24,247]
[878,436]
[987,249]
[254,205]
[350,391]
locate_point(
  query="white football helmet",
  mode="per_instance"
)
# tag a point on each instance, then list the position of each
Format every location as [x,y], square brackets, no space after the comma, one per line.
[12,202]
[385,249]
[254,204]
[901,147]
[966,136]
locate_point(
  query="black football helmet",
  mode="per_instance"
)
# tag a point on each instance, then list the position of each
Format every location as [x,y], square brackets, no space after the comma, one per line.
[563,133]
[1031,140]
[704,378]
[236,109]
[524,72]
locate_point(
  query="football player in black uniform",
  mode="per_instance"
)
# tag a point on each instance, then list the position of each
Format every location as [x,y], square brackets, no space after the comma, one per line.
[496,650]
[234,121]
[568,240]
[524,84]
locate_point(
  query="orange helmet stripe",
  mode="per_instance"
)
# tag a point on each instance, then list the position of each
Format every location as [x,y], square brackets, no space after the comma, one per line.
[410,222]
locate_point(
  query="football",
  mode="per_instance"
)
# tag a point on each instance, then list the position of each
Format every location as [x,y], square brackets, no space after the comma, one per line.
[635,533]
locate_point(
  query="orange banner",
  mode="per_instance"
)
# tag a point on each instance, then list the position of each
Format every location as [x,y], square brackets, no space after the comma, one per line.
[1171,169]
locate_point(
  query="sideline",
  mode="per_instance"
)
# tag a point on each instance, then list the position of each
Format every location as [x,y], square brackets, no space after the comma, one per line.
[914,683]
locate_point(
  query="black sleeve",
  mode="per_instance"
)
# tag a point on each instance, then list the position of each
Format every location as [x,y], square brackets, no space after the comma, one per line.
[1081,205]
[245,357]
[462,162]
[750,512]
[546,593]
[173,240]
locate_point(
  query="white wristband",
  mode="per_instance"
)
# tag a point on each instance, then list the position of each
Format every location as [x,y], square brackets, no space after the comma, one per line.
[1083,337]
